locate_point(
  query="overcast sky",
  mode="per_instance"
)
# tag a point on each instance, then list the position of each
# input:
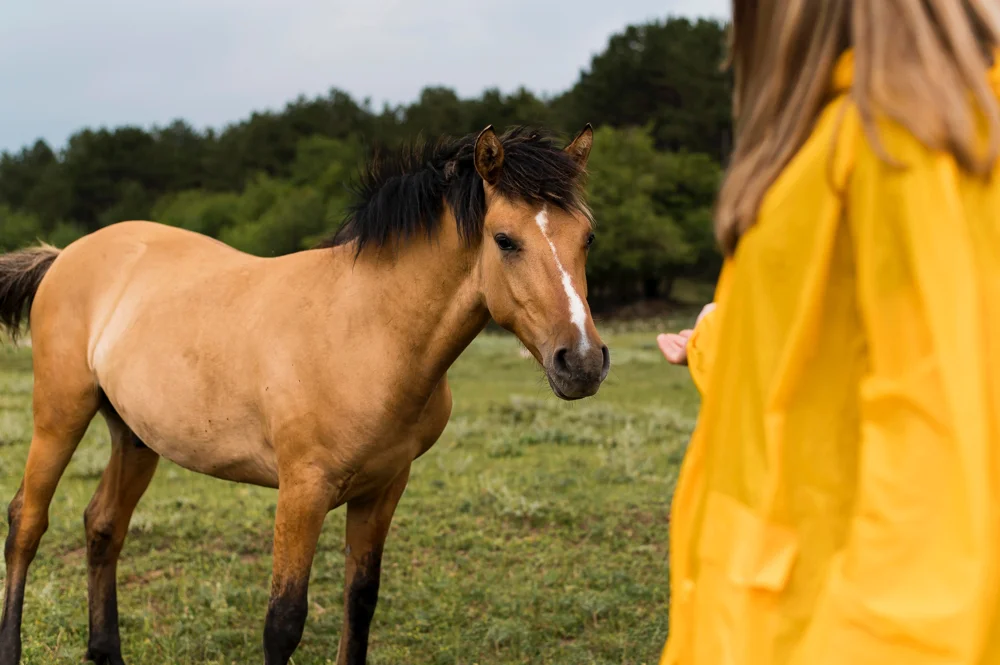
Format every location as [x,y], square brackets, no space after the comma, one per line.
[66,64]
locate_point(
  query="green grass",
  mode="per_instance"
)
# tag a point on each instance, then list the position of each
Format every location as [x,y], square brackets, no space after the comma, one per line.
[535,531]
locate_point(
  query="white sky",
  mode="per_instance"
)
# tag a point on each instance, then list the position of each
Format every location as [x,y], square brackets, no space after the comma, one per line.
[66,64]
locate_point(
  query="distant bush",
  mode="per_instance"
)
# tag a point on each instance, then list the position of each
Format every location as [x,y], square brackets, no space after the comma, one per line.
[653,214]
[199,211]
[279,221]
[18,229]
[65,233]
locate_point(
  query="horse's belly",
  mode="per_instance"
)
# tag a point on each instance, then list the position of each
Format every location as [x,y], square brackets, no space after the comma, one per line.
[227,451]
[191,403]
[216,436]
[226,457]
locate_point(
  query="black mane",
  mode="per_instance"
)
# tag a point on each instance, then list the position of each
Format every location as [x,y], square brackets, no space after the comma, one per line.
[402,194]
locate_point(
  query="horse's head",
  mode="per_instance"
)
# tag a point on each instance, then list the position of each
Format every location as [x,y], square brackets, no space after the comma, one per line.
[533,260]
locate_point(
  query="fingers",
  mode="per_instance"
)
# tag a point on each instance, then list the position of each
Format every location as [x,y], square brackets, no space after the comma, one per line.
[674,347]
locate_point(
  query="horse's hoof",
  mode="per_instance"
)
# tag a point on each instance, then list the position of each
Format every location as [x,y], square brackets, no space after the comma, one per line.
[10,651]
[100,657]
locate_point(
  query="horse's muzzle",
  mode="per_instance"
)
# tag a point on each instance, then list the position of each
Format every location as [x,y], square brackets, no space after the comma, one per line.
[575,373]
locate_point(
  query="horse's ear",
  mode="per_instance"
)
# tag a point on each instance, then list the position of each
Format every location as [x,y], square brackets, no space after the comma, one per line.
[489,156]
[579,149]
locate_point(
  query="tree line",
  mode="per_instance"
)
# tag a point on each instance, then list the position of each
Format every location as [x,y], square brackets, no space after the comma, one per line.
[277,181]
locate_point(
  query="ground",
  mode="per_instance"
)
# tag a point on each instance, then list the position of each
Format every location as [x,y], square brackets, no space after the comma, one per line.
[535,531]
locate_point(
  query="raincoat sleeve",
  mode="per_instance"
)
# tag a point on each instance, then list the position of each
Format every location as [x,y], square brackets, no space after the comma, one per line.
[702,344]
[914,582]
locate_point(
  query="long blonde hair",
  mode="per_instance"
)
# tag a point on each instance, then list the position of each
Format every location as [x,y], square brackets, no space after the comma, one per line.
[915,62]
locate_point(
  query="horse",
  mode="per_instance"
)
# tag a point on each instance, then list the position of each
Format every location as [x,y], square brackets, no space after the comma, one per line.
[320,373]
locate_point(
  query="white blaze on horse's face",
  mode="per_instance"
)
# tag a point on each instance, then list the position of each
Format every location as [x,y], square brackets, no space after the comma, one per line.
[577,312]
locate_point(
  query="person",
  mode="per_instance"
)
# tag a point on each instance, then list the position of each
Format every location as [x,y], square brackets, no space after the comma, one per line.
[839,501]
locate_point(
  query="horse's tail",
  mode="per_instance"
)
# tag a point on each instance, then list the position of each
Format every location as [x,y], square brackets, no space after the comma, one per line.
[21,273]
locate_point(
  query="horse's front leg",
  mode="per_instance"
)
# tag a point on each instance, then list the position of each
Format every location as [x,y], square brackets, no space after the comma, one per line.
[368,522]
[304,498]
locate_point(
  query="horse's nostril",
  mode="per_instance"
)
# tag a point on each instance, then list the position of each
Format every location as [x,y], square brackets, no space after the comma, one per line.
[607,362]
[560,360]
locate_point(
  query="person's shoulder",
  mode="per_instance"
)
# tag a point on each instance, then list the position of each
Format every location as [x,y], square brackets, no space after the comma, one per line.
[831,148]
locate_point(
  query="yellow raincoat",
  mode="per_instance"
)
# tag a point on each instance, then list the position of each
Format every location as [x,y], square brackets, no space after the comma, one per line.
[839,503]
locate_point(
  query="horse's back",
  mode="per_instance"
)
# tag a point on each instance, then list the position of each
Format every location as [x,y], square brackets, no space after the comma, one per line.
[118,247]
[121,264]
[104,257]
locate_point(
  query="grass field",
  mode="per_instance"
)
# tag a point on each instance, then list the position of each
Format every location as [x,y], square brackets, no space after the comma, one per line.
[534,532]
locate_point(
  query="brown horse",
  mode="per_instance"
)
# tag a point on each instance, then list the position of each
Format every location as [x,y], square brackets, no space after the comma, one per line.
[320,373]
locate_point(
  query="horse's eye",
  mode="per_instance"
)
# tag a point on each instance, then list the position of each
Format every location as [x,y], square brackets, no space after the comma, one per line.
[504,242]
[590,239]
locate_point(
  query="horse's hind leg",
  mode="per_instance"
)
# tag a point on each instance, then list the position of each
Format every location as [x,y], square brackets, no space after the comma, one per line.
[64,404]
[106,519]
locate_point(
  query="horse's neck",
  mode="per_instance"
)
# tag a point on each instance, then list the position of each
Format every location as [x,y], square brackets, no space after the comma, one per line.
[429,303]
[441,306]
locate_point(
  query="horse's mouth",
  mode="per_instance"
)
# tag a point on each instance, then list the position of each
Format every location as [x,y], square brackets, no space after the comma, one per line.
[558,392]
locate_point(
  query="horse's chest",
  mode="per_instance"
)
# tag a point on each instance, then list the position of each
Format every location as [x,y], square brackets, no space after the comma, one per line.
[393,446]
[380,461]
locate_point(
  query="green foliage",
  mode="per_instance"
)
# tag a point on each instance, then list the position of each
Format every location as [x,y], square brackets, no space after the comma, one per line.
[133,202]
[651,209]
[278,181]
[21,173]
[65,233]
[281,218]
[18,229]
[327,164]
[666,74]
[686,186]
[199,211]
[269,218]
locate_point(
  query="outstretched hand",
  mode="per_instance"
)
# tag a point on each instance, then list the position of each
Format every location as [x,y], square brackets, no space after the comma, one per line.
[674,345]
